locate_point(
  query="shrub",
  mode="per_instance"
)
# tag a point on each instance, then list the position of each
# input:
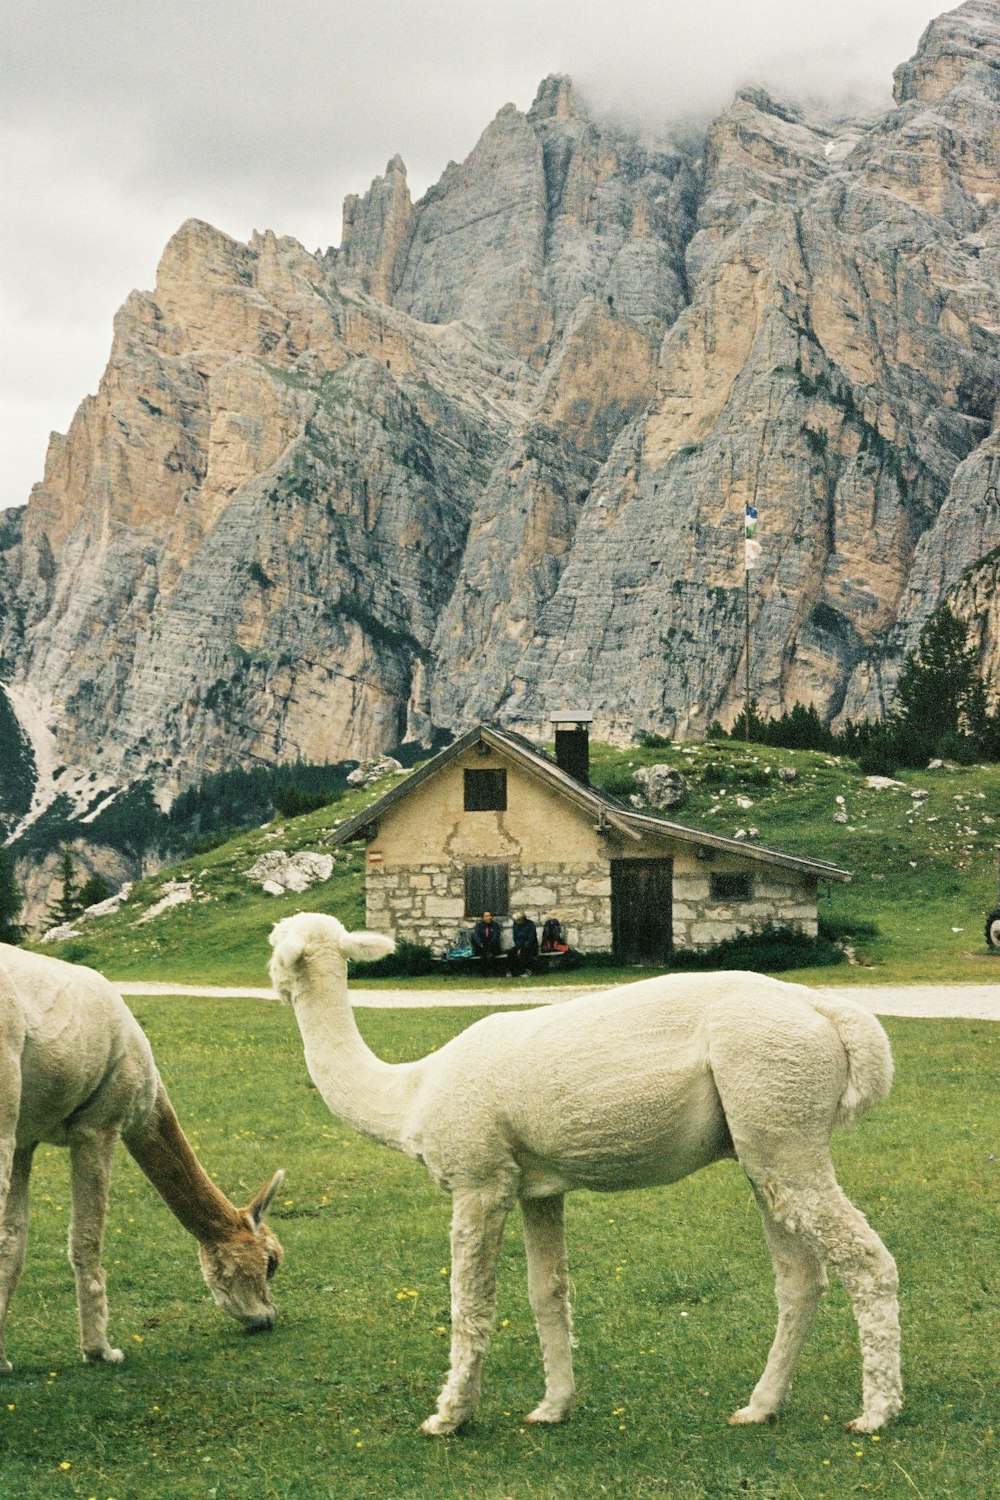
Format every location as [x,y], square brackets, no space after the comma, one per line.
[94,889]
[410,959]
[767,949]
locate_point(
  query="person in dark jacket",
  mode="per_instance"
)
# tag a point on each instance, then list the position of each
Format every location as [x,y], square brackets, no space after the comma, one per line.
[553,940]
[524,934]
[486,941]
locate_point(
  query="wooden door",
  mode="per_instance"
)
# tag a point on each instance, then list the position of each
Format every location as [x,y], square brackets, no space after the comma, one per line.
[642,909]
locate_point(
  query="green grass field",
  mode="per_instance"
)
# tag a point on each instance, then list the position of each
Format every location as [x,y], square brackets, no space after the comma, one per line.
[672,1293]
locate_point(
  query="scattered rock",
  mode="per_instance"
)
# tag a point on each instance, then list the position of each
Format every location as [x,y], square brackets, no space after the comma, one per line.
[175,893]
[918,795]
[662,786]
[108,906]
[787,773]
[58,934]
[277,871]
[880,783]
[374,770]
[840,817]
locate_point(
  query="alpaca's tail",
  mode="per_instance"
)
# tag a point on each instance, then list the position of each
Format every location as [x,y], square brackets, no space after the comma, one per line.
[869,1056]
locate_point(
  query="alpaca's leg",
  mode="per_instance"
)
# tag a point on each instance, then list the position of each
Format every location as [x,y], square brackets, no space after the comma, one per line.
[548,1292]
[13,1239]
[477,1224]
[799,1282]
[814,1205]
[91,1160]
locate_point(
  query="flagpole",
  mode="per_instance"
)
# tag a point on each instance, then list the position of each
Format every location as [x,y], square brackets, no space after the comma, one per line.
[746,600]
[751,552]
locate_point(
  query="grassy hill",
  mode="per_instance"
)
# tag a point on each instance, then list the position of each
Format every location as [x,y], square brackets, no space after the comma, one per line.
[924,867]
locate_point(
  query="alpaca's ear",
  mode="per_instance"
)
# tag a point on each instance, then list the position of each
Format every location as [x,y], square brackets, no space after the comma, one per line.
[366,947]
[260,1205]
[288,947]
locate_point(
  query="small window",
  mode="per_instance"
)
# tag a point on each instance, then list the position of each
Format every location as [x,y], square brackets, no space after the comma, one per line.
[729,887]
[486,791]
[486,889]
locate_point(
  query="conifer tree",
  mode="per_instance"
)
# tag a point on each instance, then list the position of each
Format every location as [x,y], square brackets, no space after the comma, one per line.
[67,906]
[940,692]
[11,930]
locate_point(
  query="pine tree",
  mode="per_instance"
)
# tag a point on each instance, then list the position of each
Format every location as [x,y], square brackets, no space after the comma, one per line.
[940,692]
[11,931]
[67,906]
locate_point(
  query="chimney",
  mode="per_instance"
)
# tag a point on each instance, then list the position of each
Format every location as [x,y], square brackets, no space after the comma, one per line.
[572,729]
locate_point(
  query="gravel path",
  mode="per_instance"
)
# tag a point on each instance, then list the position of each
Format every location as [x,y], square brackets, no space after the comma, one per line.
[974,1002]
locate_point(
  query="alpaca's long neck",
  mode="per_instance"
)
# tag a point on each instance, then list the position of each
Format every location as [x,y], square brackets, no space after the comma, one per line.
[165,1154]
[372,1095]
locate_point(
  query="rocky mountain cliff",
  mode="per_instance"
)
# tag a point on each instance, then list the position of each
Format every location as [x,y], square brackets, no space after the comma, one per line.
[490,457]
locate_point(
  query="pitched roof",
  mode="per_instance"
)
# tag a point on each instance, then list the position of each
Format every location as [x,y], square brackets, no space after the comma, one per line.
[609,811]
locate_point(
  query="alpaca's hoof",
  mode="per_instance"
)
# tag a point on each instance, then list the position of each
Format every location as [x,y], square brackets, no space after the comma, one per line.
[748,1415]
[436,1426]
[548,1412]
[872,1421]
[107,1356]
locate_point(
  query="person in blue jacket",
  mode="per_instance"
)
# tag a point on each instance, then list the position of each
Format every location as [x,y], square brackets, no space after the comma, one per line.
[524,935]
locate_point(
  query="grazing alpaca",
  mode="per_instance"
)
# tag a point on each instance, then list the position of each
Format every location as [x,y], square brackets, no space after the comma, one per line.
[77,1071]
[630,1088]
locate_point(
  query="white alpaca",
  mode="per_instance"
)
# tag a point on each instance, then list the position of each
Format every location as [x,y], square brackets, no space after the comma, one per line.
[77,1071]
[627,1089]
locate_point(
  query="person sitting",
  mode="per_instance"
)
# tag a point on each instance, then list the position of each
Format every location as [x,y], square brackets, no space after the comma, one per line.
[486,941]
[553,940]
[524,934]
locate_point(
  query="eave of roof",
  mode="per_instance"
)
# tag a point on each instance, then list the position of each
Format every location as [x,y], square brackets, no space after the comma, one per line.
[608,810]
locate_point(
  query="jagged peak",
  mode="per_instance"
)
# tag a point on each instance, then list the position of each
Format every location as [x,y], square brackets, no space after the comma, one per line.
[960,47]
[767,105]
[201,231]
[197,240]
[557,99]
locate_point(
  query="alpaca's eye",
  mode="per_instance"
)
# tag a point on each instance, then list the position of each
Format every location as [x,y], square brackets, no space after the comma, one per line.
[272,1266]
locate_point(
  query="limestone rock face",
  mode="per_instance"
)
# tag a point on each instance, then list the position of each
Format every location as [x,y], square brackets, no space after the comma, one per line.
[490,457]
[376,232]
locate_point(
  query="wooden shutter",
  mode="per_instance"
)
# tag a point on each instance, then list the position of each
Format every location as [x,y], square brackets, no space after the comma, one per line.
[487,889]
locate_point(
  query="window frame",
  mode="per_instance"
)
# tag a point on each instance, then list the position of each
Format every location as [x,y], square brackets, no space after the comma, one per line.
[484,800]
[741,886]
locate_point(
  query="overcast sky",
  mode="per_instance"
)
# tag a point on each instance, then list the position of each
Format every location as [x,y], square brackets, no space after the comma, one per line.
[120,118]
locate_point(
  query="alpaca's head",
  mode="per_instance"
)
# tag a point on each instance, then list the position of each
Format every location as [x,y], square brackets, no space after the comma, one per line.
[310,935]
[238,1271]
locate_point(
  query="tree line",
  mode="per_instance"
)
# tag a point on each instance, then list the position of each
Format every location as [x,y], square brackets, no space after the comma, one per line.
[938,711]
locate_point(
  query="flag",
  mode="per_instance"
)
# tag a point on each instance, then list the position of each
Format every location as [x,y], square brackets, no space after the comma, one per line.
[751,546]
